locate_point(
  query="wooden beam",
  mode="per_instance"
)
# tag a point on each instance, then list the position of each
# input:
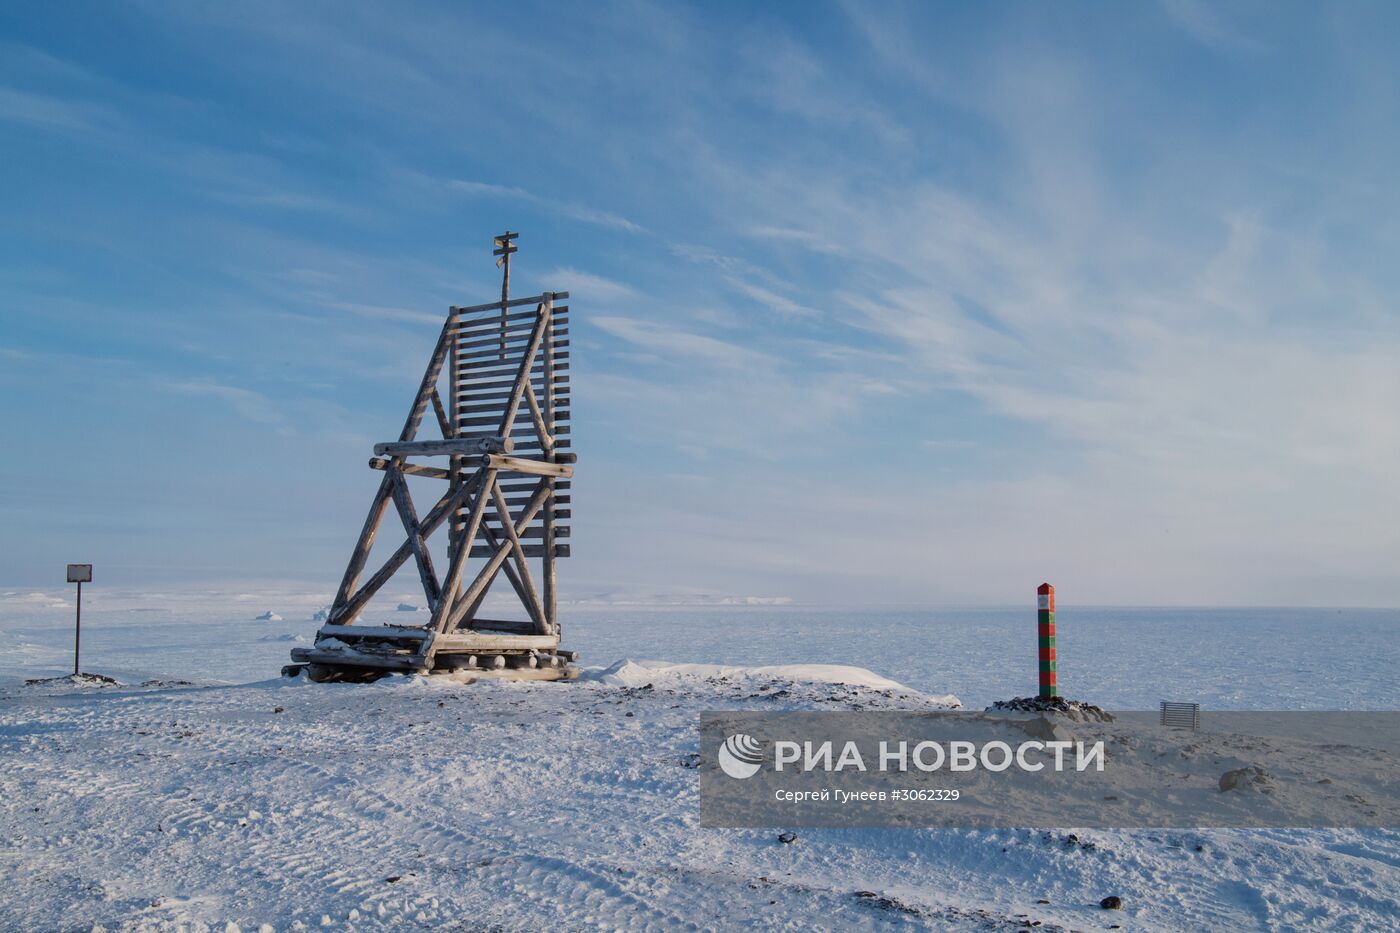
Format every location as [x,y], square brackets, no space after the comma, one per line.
[482,354]
[472,594]
[346,606]
[489,319]
[480,423]
[473,388]
[458,446]
[444,422]
[514,302]
[531,467]
[508,368]
[551,444]
[531,550]
[445,614]
[528,442]
[518,486]
[497,396]
[421,555]
[427,386]
[401,662]
[372,631]
[531,598]
[410,469]
[340,609]
[516,583]
[517,499]
[435,517]
[473,379]
[472,640]
[455,465]
[522,378]
[538,531]
[542,428]
[491,323]
[464,410]
[529,449]
[501,626]
[510,350]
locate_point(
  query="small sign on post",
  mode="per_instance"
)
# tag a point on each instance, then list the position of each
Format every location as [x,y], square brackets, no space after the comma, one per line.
[79,574]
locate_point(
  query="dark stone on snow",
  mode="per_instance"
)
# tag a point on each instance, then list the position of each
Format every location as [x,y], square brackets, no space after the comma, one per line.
[1251,778]
[1112,902]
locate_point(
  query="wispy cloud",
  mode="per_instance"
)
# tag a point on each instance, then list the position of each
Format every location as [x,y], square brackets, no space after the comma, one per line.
[1205,22]
[249,404]
[50,112]
[408,315]
[579,212]
[670,341]
[292,201]
[585,284]
[770,299]
[788,76]
[804,238]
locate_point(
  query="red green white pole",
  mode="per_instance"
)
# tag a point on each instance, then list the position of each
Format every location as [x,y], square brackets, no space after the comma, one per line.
[1045,625]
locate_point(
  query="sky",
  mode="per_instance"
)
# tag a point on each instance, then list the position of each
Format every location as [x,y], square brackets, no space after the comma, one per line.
[873,303]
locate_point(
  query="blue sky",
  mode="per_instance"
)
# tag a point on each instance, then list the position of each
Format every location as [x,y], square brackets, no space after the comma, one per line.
[874,303]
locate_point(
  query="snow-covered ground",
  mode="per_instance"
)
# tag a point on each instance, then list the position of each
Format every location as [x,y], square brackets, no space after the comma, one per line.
[246,799]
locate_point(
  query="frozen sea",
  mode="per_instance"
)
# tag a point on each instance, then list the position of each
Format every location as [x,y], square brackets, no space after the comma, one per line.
[1122,658]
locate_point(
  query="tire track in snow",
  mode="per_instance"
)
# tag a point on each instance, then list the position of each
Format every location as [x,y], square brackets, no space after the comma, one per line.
[533,876]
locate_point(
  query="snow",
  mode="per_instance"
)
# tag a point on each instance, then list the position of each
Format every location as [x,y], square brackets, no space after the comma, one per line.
[629,673]
[244,799]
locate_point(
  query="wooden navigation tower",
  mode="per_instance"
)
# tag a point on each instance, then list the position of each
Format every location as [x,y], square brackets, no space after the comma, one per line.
[505,434]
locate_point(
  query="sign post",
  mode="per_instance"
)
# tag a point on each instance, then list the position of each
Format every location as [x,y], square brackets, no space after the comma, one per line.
[1045,631]
[79,574]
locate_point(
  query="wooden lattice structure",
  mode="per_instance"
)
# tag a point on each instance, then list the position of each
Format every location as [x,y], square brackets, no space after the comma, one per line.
[505,434]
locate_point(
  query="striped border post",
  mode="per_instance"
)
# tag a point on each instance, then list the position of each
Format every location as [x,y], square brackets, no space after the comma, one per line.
[1045,629]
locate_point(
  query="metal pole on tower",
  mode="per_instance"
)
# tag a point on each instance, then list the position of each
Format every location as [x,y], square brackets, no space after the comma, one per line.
[504,247]
[1045,631]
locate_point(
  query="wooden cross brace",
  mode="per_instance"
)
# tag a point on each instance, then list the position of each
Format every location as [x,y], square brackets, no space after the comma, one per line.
[476,464]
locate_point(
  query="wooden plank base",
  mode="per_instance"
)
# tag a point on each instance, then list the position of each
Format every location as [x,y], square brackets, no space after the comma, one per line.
[338,664]
[343,673]
[462,675]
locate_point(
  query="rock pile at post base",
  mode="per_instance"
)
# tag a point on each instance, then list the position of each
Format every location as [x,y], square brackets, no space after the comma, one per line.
[1074,709]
